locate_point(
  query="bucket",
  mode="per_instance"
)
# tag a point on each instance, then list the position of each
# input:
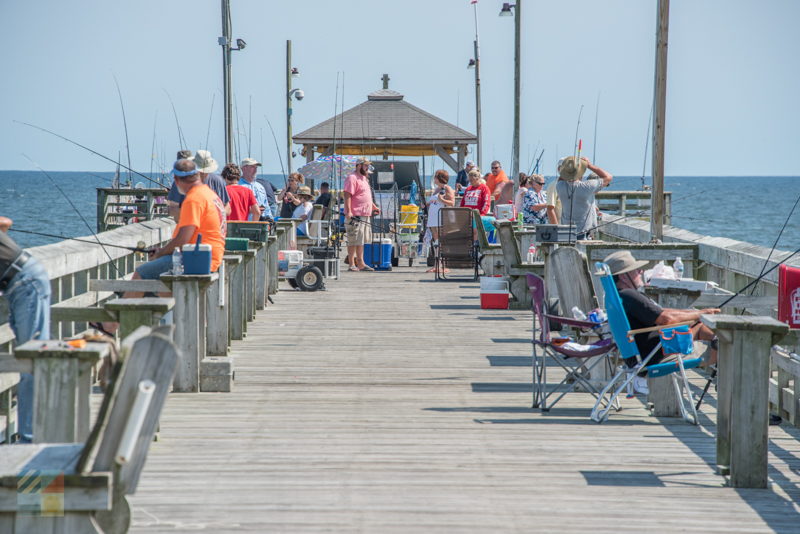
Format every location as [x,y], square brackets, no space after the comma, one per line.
[409,216]
[196,258]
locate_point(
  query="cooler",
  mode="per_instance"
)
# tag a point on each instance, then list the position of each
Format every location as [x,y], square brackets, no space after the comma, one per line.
[378,254]
[236,243]
[789,295]
[196,258]
[288,260]
[409,216]
[494,293]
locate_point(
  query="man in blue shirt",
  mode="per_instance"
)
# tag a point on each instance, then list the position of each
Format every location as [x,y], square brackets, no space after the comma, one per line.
[249,170]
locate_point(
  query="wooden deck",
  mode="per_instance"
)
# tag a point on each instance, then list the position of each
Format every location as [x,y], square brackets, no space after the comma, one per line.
[391,403]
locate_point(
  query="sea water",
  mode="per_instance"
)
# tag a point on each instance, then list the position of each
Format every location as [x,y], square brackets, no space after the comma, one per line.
[746,208]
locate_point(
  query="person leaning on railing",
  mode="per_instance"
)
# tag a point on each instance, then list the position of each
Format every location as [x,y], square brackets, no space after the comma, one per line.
[26,286]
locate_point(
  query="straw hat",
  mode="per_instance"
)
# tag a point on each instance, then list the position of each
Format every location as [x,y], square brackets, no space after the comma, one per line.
[205,163]
[363,161]
[250,161]
[622,261]
[569,171]
[304,190]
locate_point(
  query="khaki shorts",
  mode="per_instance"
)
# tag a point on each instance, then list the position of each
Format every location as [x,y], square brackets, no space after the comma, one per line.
[359,233]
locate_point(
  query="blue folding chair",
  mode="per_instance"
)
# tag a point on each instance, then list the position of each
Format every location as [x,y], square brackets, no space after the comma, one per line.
[675,339]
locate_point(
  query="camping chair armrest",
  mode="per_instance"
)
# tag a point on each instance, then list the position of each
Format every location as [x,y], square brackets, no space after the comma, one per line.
[659,327]
[569,321]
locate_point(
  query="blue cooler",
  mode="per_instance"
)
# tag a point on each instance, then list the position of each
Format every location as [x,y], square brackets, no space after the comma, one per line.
[384,260]
[196,258]
[372,253]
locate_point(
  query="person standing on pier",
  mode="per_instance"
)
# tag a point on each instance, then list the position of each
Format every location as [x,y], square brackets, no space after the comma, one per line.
[249,170]
[577,195]
[462,179]
[358,210]
[25,285]
[243,200]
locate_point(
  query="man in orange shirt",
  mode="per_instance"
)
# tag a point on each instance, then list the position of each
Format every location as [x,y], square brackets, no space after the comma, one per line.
[495,179]
[202,213]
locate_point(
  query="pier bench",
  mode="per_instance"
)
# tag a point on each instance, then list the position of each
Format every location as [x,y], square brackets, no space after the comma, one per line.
[490,254]
[514,267]
[81,488]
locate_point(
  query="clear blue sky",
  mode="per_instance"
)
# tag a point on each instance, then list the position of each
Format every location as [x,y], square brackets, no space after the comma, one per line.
[732,84]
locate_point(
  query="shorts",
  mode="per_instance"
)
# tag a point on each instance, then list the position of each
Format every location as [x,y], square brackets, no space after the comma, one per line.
[153,269]
[359,233]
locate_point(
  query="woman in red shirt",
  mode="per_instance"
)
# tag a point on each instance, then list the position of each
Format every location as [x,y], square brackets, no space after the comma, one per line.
[477,195]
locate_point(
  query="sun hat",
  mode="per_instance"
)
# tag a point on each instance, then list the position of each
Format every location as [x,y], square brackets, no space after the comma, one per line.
[363,161]
[569,171]
[622,261]
[205,163]
[469,163]
[304,190]
[250,161]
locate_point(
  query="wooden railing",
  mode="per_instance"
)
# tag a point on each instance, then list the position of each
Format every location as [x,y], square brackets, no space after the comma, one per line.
[120,207]
[628,203]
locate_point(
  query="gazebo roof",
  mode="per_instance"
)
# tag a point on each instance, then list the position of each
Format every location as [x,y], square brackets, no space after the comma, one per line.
[385,120]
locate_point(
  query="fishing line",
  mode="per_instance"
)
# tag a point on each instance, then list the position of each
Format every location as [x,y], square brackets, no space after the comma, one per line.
[140,248]
[210,116]
[775,244]
[110,259]
[594,141]
[278,150]
[181,139]
[90,150]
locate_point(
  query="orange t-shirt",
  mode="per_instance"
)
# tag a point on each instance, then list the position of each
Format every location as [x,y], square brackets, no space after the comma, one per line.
[493,181]
[203,209]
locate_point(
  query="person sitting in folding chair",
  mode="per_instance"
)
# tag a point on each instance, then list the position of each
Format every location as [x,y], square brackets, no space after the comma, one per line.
[643,312]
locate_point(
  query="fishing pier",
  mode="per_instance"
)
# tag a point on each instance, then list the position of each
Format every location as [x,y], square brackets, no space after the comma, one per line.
[392,403]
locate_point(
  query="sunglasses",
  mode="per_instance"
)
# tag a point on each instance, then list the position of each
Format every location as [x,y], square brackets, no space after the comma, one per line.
[493,168]
[539,183]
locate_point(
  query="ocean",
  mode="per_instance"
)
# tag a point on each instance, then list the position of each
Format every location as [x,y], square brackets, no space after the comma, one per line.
[747,208]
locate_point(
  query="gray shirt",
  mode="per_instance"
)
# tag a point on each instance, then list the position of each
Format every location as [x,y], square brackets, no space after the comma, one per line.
[577,202]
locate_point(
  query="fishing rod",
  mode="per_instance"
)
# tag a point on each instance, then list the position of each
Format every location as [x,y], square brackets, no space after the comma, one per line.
[278,150]
[777,239]
[594,141]
[181,139]
[575,149]
[125,124]
[140,247]
[74,207]
[536,165]
[90,150]
[531,163]
[153,145]
[647,143]
[210,116]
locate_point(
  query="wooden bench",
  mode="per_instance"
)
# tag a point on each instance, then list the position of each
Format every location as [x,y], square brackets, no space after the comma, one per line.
[81,488]
[491,254]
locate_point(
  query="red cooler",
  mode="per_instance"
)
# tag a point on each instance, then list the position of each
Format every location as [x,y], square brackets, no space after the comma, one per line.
[789,295]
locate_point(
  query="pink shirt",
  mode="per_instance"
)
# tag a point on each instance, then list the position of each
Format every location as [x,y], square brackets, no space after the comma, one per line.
[361,194]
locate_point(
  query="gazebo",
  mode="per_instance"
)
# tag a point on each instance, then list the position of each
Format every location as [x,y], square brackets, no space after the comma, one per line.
[386,125]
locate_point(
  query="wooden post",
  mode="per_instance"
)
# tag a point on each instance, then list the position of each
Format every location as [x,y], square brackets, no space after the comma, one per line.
[260,273]
[61,384]
[232,294]
[134,313]
[217,320]
[250,284]
[743,395]
[273,264]
[662,394]
[281,235]
[660,108]
[236,302]
[189,292]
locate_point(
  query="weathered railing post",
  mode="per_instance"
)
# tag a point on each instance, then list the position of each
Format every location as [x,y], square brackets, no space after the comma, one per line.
[236,309]
[133,313]
[189,292]
[260,273]
[250,283]
[272,268]
[62,377]
[217,315]
[745,343]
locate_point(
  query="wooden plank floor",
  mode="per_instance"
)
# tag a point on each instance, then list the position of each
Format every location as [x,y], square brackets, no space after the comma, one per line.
[391,403]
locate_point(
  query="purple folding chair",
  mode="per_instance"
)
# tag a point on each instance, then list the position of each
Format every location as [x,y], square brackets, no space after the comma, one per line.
[575,359]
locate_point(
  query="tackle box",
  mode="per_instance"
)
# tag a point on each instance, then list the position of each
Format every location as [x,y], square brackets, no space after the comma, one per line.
[555,233]
[254,231]
[236,243]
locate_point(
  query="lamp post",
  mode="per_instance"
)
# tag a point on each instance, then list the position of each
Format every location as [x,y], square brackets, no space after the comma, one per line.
[291,72]
[225,43]
[475,63]
[506,11]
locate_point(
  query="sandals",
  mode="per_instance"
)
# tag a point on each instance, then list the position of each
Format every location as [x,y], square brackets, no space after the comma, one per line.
[353,268]
[367,268]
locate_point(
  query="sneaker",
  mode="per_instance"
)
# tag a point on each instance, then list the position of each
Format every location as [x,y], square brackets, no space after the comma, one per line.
[640,385]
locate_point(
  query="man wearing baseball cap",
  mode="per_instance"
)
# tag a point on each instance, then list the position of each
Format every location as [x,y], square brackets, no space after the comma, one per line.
[358,210]
[643,312]
[249,170]
[462,179]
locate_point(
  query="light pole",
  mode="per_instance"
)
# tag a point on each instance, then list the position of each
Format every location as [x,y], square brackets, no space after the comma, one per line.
[225,43]
[506,11]
[291,72]
[475,63]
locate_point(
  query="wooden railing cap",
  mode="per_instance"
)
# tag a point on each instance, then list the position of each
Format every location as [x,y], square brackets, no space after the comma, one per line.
[744,322]
[157,304]
[59,349]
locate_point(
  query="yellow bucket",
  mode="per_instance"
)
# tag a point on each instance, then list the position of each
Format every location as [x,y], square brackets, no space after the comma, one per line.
[409,215]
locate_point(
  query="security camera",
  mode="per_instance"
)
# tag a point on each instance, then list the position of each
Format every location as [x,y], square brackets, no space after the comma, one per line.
[299,94]
[240,44]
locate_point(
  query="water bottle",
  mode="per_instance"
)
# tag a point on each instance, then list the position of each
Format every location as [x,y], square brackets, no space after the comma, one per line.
[678,267]
[578,314]
[177,262]
[520,224]
[531,253]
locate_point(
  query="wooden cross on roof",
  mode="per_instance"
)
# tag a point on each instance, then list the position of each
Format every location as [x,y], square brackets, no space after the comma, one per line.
[385,79]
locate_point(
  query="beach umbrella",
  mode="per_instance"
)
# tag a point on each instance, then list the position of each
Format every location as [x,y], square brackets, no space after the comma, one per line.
[329,169]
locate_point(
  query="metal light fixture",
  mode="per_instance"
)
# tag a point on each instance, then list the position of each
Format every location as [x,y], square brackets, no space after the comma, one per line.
[506,10]
[295,72]
[471,64]
[240,44]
